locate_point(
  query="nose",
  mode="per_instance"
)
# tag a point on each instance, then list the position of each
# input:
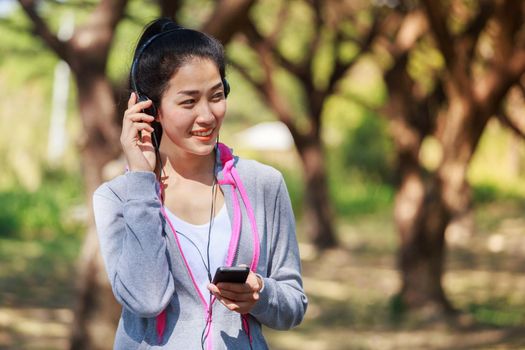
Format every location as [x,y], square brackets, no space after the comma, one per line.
[205,113]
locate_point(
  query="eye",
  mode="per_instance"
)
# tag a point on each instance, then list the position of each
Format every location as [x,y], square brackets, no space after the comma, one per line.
[218,96]
[188,102]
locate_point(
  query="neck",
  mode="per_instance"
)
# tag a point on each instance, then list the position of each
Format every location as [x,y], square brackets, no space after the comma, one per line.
[189,166]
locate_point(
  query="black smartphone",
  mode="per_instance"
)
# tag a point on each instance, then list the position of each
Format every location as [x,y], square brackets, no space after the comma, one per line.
[233,274]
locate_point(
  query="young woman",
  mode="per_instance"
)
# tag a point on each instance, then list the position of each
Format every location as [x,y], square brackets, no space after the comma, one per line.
[187,206]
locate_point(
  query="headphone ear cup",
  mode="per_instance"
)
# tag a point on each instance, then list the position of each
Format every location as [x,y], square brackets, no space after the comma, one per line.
[152,110]
[226,86]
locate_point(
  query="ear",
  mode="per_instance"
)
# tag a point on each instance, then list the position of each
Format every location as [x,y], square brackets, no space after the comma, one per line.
[158,115]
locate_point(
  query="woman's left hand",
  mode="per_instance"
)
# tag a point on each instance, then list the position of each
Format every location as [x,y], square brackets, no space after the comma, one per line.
[238,297]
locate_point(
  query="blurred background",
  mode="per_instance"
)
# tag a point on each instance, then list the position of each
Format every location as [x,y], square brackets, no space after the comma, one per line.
[398,125]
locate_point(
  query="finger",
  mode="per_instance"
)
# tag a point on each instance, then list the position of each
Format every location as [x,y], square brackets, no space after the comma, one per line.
[130,120]
[132,99]
[145,138]
[137,117]
[235,287]
[230,304]
[140,127]
[237,297]
[146,142]
[137,107]
[239,307]
[244,307]
[213,288]
[146,147]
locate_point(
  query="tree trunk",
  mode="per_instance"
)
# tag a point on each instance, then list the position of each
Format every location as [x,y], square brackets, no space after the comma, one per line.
[425,205]
[318,212]
[419,213]
[447,196]
[421,219]
[421,223]
[96,310]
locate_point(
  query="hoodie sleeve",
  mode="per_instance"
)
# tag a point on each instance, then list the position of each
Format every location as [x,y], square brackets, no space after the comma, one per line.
[282,302]
[132,244]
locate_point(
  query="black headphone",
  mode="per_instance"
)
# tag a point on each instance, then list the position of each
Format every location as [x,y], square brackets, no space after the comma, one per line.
[141,97]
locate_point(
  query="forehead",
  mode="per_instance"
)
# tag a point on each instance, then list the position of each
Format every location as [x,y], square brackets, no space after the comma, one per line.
[196,69]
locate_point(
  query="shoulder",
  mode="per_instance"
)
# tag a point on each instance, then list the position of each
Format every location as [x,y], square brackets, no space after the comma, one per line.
[112,190]
[131,185]
[253,170]
[258,177]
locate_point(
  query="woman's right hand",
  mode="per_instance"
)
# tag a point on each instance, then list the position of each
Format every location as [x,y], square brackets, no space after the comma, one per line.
[136,136]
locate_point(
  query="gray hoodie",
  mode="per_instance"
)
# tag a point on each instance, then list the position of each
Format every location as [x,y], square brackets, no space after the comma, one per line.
[150,278]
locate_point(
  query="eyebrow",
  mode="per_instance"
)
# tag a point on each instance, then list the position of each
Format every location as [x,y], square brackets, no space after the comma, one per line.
[196,92]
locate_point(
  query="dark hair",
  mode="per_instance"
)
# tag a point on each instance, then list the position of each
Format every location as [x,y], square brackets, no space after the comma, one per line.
[167,53]
[158,59]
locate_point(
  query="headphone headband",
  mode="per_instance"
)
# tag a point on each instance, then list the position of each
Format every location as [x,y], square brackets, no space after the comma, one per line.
[141,51]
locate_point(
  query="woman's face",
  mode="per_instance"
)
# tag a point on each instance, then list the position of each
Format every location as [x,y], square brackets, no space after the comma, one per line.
[192,107]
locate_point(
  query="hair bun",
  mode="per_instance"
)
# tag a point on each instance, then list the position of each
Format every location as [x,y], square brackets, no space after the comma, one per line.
[169,25]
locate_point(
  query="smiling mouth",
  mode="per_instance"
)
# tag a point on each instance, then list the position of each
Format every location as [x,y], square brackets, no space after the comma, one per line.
[202,133]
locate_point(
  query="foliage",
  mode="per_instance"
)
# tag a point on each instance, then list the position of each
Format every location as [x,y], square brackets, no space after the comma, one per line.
[368,152]
[356,193]
[19,48]
[498,167]
[52,211]
[498,312]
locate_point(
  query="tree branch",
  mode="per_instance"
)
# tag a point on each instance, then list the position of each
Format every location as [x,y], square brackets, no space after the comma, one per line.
[41,29]
[169,8]
[510,123]
[314,44]
[281,21]
[500,78]
[445,41]
[454,51]
[228,18]
[272,96]
[269,91]
[108,13]
[244,72]
[341,68]
[473,30]
[256,38]
[413,26]
[92,40]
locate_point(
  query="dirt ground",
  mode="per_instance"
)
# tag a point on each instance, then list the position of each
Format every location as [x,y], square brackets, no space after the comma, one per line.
[350,291]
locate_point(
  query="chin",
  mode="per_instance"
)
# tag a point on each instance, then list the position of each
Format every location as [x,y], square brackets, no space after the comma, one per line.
[202,149]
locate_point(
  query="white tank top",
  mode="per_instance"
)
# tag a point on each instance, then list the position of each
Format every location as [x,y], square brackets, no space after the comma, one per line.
[194,240]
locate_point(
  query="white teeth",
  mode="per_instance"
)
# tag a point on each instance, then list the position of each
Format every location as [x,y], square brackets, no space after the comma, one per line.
[202,133]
